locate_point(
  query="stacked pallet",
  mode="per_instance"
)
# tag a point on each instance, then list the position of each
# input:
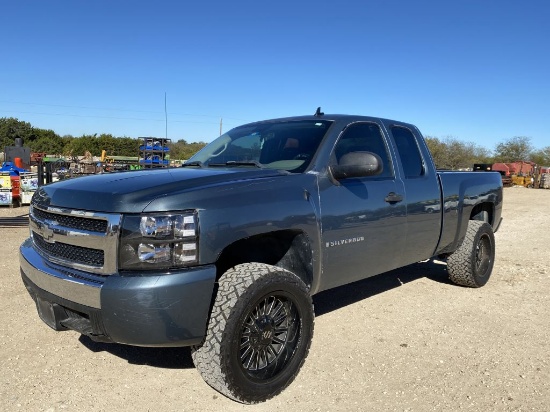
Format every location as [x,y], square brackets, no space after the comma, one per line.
[5,189]
[545,181]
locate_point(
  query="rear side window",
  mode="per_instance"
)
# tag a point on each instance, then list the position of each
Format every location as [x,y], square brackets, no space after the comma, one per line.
[365,137]
[408,150]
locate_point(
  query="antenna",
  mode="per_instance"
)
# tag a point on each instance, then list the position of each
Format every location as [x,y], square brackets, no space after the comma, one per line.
[318,112]
[165,117]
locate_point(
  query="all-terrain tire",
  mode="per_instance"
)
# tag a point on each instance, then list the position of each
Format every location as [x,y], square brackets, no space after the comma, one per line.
[472,263]
[258,335]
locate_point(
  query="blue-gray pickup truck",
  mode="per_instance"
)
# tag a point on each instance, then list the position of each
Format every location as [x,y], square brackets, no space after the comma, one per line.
[225,253]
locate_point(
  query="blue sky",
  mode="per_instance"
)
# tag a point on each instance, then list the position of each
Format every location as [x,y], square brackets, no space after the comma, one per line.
[475,70]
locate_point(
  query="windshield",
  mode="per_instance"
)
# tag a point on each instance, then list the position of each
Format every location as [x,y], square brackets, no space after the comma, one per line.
[287,145]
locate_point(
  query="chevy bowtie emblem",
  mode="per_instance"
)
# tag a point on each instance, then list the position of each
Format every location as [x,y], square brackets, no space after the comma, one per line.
[47,233]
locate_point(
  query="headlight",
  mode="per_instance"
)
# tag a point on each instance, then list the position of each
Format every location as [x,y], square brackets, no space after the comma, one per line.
[158,241]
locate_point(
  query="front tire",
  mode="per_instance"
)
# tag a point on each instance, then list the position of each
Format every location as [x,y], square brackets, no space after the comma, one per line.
[472,263]
[259,333]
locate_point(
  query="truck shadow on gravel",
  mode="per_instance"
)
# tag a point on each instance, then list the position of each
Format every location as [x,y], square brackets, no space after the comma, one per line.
[334,299]
[325,302]
[166,358]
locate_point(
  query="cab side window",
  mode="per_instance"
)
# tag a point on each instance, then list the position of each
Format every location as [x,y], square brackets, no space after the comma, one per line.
[365,137]
[408,150]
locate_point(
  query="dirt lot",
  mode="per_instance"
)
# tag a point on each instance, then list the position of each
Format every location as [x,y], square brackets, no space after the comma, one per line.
[404,341]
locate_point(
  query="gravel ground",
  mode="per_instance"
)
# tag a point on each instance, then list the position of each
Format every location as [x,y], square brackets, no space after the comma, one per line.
[407,340]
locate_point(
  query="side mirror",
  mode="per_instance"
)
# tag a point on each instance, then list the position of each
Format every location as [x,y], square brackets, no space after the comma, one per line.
[357,164]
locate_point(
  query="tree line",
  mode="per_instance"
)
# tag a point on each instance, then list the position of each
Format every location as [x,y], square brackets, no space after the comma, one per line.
[49,142]
[451,153]
[448,153]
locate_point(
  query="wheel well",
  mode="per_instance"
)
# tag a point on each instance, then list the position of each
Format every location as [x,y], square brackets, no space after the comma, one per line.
[288,249]
[483,212]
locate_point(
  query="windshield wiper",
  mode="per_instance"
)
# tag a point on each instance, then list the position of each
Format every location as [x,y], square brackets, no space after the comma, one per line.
[237,163]
[193,163]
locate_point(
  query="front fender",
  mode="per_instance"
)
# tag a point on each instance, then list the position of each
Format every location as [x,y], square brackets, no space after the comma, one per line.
[242,211]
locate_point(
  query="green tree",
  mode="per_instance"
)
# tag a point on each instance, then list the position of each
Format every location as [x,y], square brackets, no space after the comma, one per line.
[437,149]
[517,148]
[38,140]
[542,156]
[182,150]
[49,145]
[79,146]
[125,146]
[46,141]
[451,153]
[10,128]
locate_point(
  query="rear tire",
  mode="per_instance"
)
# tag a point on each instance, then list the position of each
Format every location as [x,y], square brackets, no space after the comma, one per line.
[472,263]
[258,335]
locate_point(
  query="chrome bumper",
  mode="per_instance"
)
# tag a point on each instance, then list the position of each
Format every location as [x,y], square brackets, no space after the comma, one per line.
[73,285]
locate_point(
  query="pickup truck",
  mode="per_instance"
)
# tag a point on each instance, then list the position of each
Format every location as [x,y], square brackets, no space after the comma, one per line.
[225,253]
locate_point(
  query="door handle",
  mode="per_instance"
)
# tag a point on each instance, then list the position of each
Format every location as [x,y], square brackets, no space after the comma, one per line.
[393,198]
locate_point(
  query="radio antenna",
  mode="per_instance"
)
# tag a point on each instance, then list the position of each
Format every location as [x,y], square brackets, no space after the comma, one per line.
[165,117]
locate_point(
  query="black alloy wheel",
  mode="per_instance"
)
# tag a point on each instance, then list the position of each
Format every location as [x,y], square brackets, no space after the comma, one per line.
[269,336]
[259,333]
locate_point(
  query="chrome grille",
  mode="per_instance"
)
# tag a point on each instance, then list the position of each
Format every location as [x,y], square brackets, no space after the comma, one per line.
[81,223]
[82,240]
[77,254]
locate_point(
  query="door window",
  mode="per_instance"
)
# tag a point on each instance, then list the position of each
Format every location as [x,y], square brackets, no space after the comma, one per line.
[407,147]
[365,137]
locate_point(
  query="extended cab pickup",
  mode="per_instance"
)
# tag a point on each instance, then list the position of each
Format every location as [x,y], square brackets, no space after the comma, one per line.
[225,253]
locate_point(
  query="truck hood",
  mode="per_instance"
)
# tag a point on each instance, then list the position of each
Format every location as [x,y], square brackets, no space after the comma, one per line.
[131,192]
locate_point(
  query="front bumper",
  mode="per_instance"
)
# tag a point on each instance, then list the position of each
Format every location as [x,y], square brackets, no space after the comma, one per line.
[143,309]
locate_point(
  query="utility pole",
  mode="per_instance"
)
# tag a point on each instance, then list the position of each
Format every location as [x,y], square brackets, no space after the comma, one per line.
[221,122]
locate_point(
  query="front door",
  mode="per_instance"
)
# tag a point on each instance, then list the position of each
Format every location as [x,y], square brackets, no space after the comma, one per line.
[363,221]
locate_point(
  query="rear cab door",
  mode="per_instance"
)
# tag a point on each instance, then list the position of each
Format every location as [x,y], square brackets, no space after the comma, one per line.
[422,192]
